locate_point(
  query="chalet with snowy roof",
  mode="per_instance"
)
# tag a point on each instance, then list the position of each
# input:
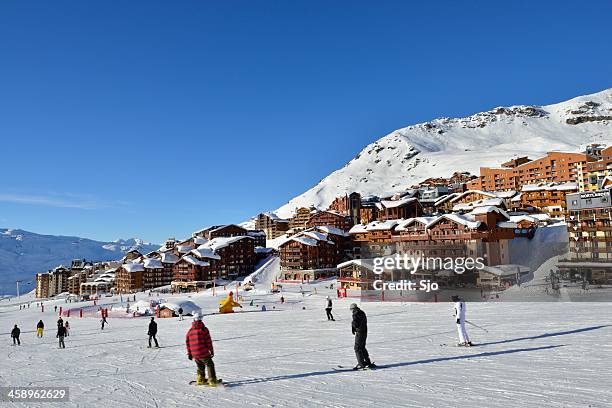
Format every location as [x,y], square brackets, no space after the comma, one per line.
[129,277]
[189,268]
[309,255]
[271,224]
[131,255]
[349,204]
[547,197]
[330,218]
[397,208]
[218,258]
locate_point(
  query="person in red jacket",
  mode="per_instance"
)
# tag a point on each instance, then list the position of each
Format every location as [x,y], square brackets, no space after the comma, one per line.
[200,349]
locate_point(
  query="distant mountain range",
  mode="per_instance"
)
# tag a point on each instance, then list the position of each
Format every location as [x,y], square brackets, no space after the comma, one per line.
[23,254]
[438,148]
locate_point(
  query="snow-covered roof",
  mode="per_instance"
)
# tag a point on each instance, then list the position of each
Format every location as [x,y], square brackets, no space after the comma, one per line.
[374,226]
[479,203]
[506,224]
[216,244]
[169,257]
[152,263]
[274,217]
[445,198]
[397,203]
[465,220]
[194,261]
[305,240]
[197,240]
[189,308]
[203,252]
[133,267]
[403,226]
[519,218]
[488,209]
[332,230]
[516,198]
[183,249]
[366,263]
[468,192]
[550,187]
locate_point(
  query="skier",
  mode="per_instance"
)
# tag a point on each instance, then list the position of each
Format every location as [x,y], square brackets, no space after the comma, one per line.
[61,333]
[103,322]
[328,309]
[180,312]
[15,335]
[282,299]
[60,322]
[360,330]
[200,348]
[459,314]
[39,328]
[153,332]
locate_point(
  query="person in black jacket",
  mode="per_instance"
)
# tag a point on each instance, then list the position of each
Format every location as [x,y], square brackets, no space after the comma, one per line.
[61,333]
[360,330]
[328,308]
[152,332]
[15,335]
[39,328]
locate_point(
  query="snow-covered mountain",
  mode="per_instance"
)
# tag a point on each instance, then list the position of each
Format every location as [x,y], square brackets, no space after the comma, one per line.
[443,146]
[23,254]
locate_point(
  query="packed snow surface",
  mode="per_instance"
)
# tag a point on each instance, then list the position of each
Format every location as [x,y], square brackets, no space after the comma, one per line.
[534,354]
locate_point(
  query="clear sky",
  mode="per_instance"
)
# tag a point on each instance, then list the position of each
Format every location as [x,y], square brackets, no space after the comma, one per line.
[151,119]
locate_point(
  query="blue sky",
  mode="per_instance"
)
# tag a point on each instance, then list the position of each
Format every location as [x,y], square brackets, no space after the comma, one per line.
[152,119]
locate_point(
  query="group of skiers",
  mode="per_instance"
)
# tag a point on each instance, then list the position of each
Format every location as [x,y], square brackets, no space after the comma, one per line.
[200,348]
[359,326]
[63,330]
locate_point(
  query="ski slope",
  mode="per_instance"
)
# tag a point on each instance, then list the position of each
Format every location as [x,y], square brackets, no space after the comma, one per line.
[544,355]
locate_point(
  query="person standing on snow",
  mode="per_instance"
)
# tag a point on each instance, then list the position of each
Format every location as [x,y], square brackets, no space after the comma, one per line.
[359,327]
[459,314]
[328,308]
[200,348]
[61,333]
[103,322]
[153,332]
[39,328]
[15,335]
[180,312]
[67,326]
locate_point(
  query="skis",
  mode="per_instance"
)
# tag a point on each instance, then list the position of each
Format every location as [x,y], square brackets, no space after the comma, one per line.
[220,383]
[347,368]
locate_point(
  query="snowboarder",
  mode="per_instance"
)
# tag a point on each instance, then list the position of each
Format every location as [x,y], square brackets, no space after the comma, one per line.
[153,332]
[200,348]
[360,330]
[180,312]
[15,335]
[328,309]
[61,333]
[103,322]
[459,314]
[39,328]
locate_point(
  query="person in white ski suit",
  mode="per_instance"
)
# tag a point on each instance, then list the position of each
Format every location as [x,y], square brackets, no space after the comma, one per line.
[459,307]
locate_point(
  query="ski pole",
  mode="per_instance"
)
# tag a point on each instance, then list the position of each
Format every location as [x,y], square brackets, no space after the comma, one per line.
[475,325]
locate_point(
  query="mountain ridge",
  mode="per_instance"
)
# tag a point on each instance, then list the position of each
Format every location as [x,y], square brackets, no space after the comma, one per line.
[440,147]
